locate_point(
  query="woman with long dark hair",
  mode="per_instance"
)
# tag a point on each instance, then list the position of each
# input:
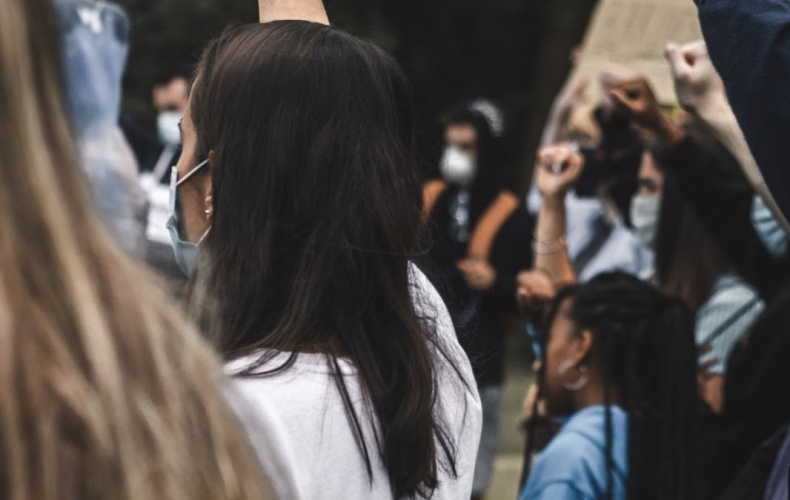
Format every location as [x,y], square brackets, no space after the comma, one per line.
[299,183]
[620,360]
[690,264]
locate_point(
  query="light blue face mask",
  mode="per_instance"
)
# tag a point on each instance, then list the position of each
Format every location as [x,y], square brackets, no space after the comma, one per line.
[768,229]
[185,251]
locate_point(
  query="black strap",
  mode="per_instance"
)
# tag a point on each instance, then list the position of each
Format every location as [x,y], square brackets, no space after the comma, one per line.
[601,232]
[725,325]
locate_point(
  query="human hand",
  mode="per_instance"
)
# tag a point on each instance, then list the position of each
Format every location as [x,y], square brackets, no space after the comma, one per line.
[300,10]
[478,274]
[533,288]
[637,99]
[699,87]
[558,169]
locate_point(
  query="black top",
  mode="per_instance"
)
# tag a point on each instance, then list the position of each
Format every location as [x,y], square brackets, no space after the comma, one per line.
[480,318]
[758,372]
[749,43]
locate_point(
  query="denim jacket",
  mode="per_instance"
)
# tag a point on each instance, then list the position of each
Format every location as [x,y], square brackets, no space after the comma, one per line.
[94,36]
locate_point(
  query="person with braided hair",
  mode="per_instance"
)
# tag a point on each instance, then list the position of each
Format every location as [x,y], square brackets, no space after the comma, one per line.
[620,360]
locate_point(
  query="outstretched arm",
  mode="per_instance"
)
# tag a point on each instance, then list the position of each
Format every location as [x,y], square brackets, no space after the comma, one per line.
[720,196]
[701,92]
[303,10]
[749,43]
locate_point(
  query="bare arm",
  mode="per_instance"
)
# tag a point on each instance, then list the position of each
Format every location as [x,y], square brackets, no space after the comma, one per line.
[306,10]
[558,169]
[701,91]
[561,110]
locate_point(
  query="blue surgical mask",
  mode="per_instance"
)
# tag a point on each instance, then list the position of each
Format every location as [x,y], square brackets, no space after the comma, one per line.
[768,229]
[645,214]
[185,251]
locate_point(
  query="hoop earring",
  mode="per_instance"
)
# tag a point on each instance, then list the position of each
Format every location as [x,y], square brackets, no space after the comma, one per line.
[584,377]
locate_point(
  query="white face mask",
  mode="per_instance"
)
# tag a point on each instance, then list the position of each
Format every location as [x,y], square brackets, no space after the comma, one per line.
[645,212]
[167,126]
[458,167]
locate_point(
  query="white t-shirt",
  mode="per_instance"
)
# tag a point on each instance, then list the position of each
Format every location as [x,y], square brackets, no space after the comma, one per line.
[298,416]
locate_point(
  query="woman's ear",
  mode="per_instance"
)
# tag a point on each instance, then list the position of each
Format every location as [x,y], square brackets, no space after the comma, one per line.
[209,201]
[583,345]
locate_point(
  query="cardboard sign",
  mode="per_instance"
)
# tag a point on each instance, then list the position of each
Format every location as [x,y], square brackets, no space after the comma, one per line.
[633,33]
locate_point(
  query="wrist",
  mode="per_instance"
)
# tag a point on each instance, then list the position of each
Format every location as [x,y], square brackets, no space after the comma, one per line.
[555,200]
[669,134]
[716,112]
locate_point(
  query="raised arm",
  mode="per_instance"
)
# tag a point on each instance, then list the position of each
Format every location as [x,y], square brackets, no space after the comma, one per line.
[749,43]
[701,92]
[558,168]
[303,10]
[721,196]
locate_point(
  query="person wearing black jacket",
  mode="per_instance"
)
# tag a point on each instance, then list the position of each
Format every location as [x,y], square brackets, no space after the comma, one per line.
[480,238]
[757,376]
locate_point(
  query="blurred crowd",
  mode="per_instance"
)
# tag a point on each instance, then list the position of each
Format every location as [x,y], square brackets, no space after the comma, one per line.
[266,298]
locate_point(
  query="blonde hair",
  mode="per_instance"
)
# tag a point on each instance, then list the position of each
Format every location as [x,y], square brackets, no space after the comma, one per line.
[107,392]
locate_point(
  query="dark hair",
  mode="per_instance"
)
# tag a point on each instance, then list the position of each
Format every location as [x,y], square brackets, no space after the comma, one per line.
[644,340]
[688,260]
[493,172]
[317,203]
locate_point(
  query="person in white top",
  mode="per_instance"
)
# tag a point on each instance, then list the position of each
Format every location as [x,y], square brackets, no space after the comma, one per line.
[297,209]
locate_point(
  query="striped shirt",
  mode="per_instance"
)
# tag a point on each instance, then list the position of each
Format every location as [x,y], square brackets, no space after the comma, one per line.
[727,315]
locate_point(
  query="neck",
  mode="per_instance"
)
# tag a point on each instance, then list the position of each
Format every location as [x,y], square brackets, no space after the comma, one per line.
[593,394]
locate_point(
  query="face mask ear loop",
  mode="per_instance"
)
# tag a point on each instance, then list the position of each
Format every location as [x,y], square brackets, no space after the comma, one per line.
[191,173]
[203,237]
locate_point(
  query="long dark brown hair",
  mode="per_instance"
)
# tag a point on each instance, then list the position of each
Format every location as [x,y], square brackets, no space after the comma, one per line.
[316,198]
[688,259]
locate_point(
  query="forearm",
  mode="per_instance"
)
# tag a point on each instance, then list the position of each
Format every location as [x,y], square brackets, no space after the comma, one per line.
[551,253]
[552,132]
[721,120]
[306,10]
[749,43]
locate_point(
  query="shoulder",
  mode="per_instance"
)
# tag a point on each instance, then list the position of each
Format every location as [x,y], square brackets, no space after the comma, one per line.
[577,455]
[431,308]
[569,463]
[559,490]
[730,298]
[266,434]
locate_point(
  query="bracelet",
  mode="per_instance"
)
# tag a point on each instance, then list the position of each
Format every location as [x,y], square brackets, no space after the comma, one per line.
[543,248]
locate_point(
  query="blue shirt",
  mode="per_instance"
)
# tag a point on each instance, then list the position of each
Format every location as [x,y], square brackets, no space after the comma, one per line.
[573,466]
